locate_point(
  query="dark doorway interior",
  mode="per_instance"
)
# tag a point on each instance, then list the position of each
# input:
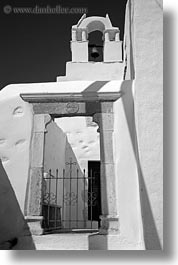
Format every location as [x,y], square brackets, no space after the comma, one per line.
[95,47]
[94,192]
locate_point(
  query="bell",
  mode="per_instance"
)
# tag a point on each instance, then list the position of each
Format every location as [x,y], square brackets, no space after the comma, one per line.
[94,52]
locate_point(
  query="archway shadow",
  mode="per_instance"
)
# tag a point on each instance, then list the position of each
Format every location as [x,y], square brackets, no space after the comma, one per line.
[14,231]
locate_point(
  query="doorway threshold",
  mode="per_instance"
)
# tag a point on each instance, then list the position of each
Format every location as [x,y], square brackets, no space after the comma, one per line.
[72,231]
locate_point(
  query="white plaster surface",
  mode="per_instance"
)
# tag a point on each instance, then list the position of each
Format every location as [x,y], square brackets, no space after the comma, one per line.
[55,146]
[131,232]
[148,43]
[112,242]
[79,51]
[15,135]
[83,140]
[113,51]
[94,23]
[95,71]
[13,90]
[61,242]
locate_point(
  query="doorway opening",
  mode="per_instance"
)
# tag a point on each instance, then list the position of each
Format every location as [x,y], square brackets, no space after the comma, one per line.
[94,191]
[71,179]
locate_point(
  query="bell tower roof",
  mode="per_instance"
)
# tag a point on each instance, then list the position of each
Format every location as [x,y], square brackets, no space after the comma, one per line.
[94,23]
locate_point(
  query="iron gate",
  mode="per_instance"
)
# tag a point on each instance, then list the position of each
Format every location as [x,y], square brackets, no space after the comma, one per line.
[71,200]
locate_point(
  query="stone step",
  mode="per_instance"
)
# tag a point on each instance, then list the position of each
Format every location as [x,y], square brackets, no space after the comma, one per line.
[62,241]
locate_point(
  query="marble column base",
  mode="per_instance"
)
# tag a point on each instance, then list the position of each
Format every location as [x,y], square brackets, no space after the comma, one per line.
[109,225]
[35,224]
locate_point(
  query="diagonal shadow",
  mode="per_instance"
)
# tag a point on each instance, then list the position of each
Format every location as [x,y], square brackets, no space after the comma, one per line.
[95,86]
[14,231]
[151,237]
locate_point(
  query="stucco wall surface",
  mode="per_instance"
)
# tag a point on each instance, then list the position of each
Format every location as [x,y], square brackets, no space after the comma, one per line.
[59,87]
[94,70]
[148,61]
[83,138]
[15,136]
[126,170]
[54,149]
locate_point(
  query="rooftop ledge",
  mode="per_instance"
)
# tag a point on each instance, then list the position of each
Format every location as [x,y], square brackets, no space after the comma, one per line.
[65,91]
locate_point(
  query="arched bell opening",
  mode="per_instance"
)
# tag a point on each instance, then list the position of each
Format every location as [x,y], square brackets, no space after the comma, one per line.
[95,46]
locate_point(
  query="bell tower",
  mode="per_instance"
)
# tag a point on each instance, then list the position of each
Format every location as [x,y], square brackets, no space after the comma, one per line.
[93,61]
[112,48]
[99,83]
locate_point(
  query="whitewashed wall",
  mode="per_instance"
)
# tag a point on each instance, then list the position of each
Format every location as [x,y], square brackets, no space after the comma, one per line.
[148,56]
[83,137]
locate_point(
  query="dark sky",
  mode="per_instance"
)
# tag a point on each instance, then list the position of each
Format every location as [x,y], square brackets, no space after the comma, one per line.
[35,47]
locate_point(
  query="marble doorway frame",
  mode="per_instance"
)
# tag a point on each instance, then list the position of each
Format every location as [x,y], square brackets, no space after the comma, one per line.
[47,106]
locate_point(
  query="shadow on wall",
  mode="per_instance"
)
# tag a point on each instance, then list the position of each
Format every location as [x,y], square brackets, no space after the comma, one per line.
[151,237]
[14,231]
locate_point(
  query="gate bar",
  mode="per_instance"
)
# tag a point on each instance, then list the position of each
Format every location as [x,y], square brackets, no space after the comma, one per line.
[91,198]
[77,200]
[70,201]
[84,197]
[63,196]
[49,198]
[56,198]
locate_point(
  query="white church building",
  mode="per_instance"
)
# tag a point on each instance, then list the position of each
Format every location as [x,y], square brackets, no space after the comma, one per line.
[81,158]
